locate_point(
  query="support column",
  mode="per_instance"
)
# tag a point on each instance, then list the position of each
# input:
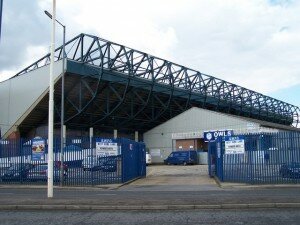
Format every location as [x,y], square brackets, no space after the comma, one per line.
[136,136]
[115,133]
[64,135]
[91,134]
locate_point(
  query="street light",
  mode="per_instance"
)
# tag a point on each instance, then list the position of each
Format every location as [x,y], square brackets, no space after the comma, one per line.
[51,108]
[62,138]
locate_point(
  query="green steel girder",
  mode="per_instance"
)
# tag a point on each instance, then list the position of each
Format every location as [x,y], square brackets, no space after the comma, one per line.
[127,65]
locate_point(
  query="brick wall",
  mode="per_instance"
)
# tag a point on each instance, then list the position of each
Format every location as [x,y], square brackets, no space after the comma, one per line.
[184,144]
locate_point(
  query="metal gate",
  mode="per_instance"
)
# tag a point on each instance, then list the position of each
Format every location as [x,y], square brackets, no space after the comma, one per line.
[268,158]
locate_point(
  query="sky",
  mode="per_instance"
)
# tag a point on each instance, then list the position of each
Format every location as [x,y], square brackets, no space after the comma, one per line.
[252,43]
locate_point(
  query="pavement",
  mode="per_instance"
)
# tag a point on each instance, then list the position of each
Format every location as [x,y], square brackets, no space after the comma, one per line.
[175,178]
[164,188]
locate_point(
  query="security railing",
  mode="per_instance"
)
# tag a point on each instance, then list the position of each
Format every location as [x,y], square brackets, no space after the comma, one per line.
[268,158]
[87,161]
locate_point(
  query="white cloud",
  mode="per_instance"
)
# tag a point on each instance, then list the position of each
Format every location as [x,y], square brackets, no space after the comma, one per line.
[254,43]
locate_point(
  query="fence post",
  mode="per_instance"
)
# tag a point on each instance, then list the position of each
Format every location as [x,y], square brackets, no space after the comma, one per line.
[220,159]
[123,159]
[144,160]
[211,159]
[22,161]
[93,153]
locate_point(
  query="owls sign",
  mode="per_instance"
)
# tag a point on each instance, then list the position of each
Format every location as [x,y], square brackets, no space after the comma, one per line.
[210,136]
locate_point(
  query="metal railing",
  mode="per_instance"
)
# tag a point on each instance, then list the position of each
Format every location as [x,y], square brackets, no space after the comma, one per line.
[269,158]
[85,164]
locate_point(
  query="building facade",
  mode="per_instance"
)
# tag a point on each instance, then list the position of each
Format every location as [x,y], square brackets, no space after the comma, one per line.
[185,131]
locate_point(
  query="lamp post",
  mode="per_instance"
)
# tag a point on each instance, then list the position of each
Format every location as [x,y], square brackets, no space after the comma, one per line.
[62,138]
[51,108]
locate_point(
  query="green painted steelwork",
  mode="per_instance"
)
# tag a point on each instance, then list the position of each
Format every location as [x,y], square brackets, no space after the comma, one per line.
[142,90]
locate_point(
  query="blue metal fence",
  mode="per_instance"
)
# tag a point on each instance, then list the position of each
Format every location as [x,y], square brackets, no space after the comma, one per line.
[87,161]
[269,158]
[134,160]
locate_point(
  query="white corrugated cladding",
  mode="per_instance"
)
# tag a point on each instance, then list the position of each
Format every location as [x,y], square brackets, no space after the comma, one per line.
[18,95]
[192,123]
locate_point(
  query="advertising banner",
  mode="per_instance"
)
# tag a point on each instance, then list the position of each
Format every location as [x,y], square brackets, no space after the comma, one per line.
[38,149]
[106,147]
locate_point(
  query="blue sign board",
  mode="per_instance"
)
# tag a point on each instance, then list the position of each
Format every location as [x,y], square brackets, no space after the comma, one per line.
[210,136]
[105,140]
[234,138]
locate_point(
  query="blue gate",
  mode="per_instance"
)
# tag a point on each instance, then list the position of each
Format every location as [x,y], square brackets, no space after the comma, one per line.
[268,158]
[134,160]
[87,161]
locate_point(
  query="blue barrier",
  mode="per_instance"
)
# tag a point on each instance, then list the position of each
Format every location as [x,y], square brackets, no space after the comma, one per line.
[87,161]
[268,158]
[134,160]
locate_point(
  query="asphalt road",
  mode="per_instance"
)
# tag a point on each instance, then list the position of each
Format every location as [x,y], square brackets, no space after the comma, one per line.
[159,188]
[212,217]
[164,185]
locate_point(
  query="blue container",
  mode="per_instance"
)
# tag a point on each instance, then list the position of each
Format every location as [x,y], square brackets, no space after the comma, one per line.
[182,157]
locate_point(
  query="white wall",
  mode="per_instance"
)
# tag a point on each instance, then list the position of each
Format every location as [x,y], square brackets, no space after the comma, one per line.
[18,94]
[194,120]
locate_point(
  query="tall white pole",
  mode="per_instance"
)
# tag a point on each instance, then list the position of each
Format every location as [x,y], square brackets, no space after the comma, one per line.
[51,107]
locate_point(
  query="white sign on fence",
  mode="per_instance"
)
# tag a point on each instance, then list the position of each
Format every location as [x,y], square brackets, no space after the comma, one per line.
[235,145]
[106,147]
